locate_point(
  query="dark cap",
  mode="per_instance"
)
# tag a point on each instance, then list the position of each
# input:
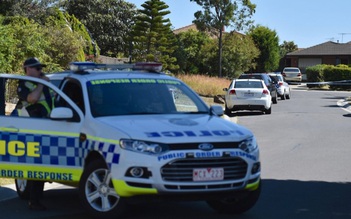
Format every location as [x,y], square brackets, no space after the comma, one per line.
[32,62]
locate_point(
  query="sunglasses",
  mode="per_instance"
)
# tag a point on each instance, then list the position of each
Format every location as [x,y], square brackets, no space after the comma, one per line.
[38,68]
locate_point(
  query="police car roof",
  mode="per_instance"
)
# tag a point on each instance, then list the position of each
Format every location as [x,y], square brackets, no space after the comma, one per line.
[85,67]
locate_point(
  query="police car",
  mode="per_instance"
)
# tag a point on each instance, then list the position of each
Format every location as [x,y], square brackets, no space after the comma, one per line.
[120,132]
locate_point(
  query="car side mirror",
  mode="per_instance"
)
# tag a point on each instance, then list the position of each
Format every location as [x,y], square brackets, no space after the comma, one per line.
[216,110]
[61,113]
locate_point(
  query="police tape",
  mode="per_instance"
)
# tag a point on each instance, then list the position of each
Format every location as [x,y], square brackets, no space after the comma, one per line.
[338,83]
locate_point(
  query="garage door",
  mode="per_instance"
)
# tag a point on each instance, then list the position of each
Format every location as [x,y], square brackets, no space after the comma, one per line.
[307,62]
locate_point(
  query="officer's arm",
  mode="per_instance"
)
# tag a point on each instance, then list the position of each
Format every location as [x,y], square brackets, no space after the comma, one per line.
[34,96]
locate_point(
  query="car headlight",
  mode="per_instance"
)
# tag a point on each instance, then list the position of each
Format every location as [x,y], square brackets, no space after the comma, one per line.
[143,146]
[248,145]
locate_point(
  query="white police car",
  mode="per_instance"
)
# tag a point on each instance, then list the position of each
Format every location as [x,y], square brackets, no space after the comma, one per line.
[124,133]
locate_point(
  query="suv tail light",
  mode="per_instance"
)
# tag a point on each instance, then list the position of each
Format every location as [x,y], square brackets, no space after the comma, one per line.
[299,74]
[266,92]
[280,83]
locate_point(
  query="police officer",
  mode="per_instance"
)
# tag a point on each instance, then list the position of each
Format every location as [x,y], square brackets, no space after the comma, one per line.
[35,100]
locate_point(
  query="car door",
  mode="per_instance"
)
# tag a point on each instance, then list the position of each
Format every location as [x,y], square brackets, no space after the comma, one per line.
[39,148]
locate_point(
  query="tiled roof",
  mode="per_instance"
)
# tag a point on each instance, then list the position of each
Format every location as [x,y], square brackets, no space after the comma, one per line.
[186,28]
[327,48]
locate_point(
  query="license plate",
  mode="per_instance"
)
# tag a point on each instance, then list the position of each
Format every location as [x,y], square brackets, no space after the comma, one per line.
[248,94]
[208,174]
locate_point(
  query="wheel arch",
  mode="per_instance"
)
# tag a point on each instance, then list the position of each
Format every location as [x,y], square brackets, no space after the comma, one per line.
[93,155]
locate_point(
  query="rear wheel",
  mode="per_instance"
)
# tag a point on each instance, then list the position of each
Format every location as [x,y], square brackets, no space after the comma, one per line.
[23,188]
[268,111]
[275,99]
[97,192]
[287,96]
[236,204]
[228,111]
[282,97]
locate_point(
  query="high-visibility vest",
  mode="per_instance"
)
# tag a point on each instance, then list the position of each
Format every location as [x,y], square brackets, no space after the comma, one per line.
[42,100]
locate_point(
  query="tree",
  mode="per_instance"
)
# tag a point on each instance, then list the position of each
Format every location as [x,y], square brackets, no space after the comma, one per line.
[108,22]
[37,10]
[267,42]
[153,39]
[286,47]
[239,53]
[217,15]
[189,48]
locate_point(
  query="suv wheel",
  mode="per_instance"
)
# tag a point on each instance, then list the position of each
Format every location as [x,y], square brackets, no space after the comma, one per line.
[97,193]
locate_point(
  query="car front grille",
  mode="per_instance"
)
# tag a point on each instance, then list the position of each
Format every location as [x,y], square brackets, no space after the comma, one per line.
[181,170]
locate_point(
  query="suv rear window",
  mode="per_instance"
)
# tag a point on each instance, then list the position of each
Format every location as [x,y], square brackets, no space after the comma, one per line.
[291,70]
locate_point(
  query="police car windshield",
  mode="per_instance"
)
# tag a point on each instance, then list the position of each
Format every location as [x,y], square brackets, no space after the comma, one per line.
[142,96]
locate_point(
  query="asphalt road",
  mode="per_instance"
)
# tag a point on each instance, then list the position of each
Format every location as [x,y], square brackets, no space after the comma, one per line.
[305,154]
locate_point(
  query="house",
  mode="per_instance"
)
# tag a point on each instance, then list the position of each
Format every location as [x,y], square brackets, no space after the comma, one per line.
[330,53]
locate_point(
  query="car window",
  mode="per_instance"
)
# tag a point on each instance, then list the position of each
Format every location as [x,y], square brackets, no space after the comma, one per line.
[15,107]
[142,96]
[74,91]
[292,70]
[248,84]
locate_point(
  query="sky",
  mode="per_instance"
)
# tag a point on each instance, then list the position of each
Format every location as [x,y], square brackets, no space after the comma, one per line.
[305,22]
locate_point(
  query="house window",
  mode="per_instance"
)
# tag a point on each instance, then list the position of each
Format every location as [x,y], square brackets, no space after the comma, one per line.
[342,61]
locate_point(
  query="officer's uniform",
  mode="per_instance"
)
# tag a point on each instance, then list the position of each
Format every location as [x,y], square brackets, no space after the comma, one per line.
[40,109]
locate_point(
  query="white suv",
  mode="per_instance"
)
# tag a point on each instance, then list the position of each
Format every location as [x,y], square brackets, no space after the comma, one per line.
[123,133]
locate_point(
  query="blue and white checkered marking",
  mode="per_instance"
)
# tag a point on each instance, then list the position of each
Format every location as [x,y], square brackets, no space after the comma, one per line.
[60,150]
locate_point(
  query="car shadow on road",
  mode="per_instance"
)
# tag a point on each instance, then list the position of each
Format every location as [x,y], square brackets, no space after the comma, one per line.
[246,113]
[279,199]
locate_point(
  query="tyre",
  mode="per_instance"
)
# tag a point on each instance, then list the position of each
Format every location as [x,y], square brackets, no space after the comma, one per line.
[23,188]
[268,111]
[275,99]
[287,96]
[282,97]
[236,204]
[228,111]
[97,193]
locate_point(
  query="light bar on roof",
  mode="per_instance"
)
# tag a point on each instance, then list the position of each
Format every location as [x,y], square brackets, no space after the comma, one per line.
[150,66]
[141,66]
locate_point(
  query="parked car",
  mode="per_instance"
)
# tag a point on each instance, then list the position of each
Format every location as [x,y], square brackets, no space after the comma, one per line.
[247,94]
[283,87]
[270,82]
[292,74]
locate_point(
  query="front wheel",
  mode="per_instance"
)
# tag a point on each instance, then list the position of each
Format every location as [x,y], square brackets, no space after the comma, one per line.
[236,204]
[23,188]
[97,192]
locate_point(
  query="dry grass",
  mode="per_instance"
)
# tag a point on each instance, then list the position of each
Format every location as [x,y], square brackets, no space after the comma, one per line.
[204,85]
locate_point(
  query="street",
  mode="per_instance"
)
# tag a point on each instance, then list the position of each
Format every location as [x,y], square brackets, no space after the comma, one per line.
[305,155]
